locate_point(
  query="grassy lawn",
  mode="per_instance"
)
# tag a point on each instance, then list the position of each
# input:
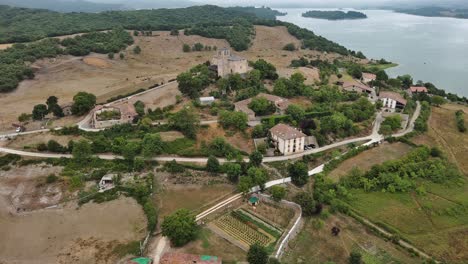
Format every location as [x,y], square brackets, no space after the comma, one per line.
[382,66]
[367,159]
[315,244]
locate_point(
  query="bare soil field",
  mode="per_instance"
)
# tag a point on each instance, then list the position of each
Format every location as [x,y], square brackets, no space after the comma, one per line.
[443,133]
[68,235]
[159,97]
[25,189]
[311,74]
[161,59]
[316,244]
[171,135]
[369,158]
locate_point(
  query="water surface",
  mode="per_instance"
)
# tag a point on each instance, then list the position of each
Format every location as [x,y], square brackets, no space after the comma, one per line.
[431,49]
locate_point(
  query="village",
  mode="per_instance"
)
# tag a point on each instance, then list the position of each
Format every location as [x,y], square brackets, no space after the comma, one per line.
[235,142]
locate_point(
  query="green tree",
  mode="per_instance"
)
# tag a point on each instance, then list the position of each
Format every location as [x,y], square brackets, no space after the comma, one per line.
[289,47]
[186,48]
[53,106]
[233,171]
[185,121]
[212,165]
[258,176]
[24,117]
[137,50]
[180,227]
[382,76]
[355,258]
[262,106]
[256,158]
[233,119]
[278,192]
[298,172]
[257,254]
[406,81]
[296,112]
[244,185]
[82,103]
[122,56]
[131,150]
[259,131]
[82,151]
[197,47]
[438,100]
[111,55]
[174,32]
[152,145]
[307,203]
[267,70]
[39,111]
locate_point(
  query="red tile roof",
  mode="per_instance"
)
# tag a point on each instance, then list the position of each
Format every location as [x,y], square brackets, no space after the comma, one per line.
[366,75]
[355,84]
[418,89]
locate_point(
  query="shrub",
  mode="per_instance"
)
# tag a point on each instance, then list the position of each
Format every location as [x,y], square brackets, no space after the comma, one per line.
[51,178]
[459,115]
[289,47]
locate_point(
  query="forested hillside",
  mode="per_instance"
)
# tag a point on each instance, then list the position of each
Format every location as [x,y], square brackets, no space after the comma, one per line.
[233,24]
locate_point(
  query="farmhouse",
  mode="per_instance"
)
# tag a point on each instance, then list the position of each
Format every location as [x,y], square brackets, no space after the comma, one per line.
[354,86]
[288,140]
[392,101]
[243,106]
[107,116]
[226,63]
[417,89]
[368,77]
[181,258]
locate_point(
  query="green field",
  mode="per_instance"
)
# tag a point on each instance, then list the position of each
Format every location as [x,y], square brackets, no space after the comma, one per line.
[436,222]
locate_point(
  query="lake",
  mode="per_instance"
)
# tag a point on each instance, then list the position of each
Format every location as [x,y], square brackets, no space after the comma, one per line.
[431,49]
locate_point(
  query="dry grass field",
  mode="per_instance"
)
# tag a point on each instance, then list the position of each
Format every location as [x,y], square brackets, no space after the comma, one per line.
[443,133]
[315,244]
[161,59]
[367,159]
[68,235]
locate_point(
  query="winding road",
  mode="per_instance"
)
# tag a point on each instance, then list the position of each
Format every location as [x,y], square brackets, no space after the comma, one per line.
[162,243]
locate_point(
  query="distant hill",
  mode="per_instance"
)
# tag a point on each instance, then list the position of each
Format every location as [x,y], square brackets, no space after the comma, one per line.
[64,6]
[334,15]
[436,12]
[261,12]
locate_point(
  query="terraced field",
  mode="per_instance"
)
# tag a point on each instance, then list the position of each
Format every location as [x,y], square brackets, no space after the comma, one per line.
[243,232]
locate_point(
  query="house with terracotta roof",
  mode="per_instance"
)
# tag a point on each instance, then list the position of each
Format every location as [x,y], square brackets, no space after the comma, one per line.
[287,139]
[392,101]
[226,63]
[182,258]
[355,86]
[418,89]
[243,106]
[368,77]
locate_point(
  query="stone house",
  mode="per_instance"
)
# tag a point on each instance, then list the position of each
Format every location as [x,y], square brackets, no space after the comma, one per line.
[125,113]
[243,106]
[226,63]
[288,140]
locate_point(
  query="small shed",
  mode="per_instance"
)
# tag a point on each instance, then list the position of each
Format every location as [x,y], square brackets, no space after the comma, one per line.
[207,100]
[106,183]
[254,200]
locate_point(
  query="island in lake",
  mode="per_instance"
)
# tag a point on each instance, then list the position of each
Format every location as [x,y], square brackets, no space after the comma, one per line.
[334,15]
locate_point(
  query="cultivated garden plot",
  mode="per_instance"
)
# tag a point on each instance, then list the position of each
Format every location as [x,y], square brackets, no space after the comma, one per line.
[245,229]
